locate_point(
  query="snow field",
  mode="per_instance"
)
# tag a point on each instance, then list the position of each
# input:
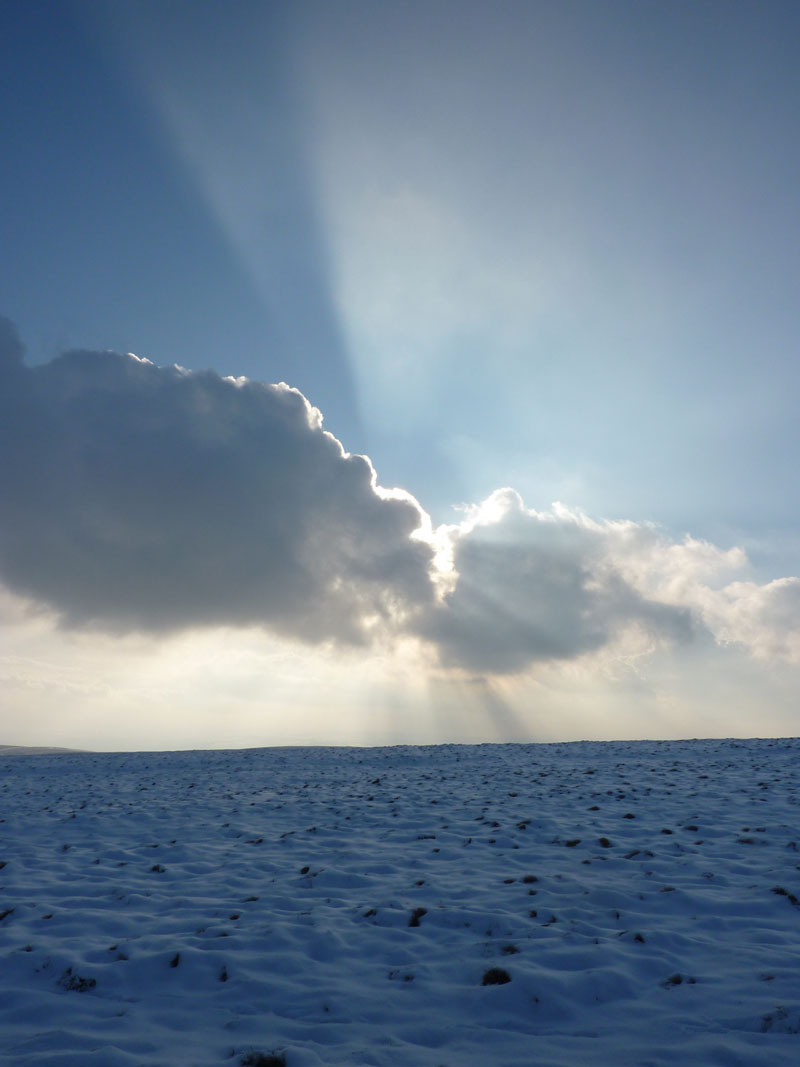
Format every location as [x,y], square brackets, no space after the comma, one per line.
[636,901]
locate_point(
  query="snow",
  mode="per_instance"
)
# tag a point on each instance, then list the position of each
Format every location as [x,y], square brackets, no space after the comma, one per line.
[344,905]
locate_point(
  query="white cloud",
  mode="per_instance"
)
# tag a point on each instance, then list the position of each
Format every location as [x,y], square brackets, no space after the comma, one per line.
[765,619]
[525,587]
[713,584]
[530,586]
[146,499]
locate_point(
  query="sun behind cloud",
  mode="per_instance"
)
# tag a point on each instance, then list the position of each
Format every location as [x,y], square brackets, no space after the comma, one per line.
[151,503]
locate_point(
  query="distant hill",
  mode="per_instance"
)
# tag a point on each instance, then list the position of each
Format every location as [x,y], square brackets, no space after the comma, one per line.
[33,750]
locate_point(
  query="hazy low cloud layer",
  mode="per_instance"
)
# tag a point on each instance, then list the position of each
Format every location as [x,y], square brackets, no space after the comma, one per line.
[139,498]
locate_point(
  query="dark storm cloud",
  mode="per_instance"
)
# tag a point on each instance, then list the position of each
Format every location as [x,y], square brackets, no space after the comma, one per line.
[138,497]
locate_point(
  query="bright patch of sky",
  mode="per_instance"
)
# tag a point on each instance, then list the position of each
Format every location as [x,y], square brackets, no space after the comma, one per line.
[541,245]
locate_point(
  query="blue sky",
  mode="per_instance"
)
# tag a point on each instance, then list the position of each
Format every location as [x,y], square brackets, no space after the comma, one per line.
[547,247]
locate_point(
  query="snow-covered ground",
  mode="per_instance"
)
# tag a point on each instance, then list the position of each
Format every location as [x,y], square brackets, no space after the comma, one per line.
[345,906]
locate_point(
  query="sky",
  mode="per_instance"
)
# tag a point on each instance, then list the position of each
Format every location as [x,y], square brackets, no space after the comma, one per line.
[398,373]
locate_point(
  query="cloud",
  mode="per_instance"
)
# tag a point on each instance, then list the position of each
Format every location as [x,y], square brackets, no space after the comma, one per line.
[531,586]
[554,585]
[138,498]
[765,619]
[144,498]
[713,584]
